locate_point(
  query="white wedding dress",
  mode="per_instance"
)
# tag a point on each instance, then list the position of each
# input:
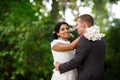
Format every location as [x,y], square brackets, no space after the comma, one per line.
[63,57]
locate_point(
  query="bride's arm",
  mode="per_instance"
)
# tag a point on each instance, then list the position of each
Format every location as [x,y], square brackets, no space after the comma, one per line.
[65,47]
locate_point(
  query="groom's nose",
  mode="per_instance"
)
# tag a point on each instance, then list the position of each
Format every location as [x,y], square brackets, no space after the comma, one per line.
[76,27]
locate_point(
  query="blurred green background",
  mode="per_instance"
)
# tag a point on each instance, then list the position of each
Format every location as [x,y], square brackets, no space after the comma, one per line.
[26,32]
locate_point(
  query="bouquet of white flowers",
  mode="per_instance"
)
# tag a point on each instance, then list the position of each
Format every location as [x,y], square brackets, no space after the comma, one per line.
[93,33]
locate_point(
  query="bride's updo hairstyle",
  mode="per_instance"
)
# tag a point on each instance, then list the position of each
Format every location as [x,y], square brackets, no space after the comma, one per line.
[57,29]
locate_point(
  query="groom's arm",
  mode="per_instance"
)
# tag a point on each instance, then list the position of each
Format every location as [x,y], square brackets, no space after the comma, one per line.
[80,55]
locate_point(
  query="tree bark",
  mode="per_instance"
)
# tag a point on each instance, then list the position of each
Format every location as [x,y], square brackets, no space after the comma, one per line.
[55,10]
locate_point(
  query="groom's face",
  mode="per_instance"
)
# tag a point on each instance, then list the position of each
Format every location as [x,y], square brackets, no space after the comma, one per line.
[80,26]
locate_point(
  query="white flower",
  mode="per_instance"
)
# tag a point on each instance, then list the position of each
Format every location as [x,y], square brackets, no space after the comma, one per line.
[93,33]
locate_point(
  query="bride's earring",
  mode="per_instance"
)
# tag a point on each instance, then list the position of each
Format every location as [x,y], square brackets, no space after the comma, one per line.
[58,35]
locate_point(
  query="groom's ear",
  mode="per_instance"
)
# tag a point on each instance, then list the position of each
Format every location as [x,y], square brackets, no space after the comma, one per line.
[84,25]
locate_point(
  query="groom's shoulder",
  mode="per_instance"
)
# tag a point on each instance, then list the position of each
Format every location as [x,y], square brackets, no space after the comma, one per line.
[84,39]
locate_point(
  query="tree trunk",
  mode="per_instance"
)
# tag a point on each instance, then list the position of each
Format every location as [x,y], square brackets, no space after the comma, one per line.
[55,10]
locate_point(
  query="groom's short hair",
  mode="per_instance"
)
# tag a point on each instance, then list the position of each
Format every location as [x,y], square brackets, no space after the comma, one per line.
[88,19]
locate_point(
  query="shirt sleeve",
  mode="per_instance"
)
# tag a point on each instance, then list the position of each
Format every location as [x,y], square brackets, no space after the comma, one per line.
[54,42]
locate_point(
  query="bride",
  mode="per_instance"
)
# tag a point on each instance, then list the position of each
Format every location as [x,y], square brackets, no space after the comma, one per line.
[63,50]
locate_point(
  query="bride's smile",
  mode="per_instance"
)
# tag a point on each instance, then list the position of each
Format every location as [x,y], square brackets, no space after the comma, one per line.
[64,32]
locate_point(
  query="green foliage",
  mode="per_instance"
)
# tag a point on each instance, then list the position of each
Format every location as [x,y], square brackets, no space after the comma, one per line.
[25,40]
[113,52]
[24,43]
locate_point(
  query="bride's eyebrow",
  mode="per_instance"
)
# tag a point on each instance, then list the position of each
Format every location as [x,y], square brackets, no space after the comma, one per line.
[62,29]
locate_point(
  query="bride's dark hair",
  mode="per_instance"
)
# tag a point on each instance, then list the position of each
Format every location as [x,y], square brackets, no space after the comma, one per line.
[57,28]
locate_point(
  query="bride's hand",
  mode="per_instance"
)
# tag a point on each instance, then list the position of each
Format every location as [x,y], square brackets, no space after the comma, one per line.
[57,66]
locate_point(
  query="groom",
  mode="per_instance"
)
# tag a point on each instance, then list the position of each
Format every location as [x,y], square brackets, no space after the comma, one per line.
[89,55]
